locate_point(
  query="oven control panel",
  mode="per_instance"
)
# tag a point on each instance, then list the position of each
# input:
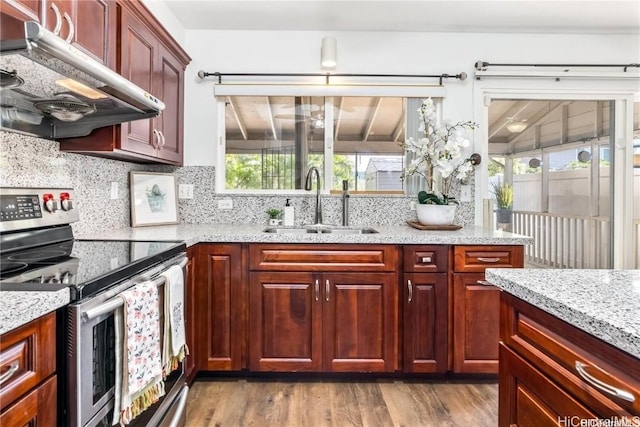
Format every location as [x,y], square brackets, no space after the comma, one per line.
[25,208]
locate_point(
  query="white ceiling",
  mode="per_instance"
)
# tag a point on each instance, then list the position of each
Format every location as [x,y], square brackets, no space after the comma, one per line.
[511,16]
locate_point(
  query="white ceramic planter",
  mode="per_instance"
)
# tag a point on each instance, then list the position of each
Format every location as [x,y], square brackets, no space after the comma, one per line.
[436,214]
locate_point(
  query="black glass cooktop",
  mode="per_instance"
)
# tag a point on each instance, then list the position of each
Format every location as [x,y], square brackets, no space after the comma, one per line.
[86,266]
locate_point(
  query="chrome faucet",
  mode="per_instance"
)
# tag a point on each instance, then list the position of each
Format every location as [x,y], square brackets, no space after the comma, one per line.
[307,186]
[345,202]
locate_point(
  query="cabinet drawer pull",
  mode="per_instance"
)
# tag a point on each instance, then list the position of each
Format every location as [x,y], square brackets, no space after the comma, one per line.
[492,260]
[317,289]
[602,386]
[410,286]
[56,29]
[72,28]
[161,140]
[13,368]
[426,259]
[326,289]
[483,283]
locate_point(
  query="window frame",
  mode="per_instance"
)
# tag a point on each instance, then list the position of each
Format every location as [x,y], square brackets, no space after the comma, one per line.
[222,90]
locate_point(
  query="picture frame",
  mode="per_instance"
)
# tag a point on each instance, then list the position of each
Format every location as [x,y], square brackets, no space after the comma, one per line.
[153,199]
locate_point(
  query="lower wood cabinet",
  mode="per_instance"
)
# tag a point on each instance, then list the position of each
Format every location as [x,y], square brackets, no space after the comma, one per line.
[220,304]
[425,331]
[338,322]
[476,324]
[476,305]
[529,399]
[552,373]
[28,391]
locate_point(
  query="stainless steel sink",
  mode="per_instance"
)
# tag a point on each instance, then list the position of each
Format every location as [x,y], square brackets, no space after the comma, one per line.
[320,230]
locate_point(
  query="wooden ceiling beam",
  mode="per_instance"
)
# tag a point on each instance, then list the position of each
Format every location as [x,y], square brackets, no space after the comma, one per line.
[234,111]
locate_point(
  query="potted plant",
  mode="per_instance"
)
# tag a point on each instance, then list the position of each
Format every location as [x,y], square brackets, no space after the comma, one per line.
[504,201]
[438,159]
[274,216]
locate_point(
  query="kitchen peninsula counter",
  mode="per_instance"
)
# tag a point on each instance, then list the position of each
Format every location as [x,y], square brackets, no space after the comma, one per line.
[603,303]
[232,233]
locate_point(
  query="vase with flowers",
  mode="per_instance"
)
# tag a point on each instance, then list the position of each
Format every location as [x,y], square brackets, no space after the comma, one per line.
[438,158]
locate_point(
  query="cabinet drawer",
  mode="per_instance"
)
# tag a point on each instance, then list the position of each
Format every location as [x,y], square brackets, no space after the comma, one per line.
[477,258]
[572,358]
[323,257]
[37,408]
[426,259]
[27,356]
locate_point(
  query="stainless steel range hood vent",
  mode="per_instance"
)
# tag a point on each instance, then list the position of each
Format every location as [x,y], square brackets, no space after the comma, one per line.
[50,89]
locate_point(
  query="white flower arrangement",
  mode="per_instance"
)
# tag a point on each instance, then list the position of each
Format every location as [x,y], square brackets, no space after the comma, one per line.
[439,151]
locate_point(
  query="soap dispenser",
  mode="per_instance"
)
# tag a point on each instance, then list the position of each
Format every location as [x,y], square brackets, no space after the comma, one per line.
[288,214]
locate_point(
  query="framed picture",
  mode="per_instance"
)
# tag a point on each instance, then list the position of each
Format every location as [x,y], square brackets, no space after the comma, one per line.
[153,199]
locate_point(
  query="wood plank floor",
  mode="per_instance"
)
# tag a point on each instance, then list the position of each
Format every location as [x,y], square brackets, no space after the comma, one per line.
[234,402]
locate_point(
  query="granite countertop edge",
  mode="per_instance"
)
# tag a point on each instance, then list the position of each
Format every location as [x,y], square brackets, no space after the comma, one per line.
[19,308]
[573,306]
[193,234]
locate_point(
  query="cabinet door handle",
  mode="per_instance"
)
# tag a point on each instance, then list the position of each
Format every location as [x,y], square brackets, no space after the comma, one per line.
[410,286]
[602,386]
[327,287]
[56,29]
[317,289]
[156,137]
[72,28]
[13,368]
[161,140]
[483,283]
[492,260]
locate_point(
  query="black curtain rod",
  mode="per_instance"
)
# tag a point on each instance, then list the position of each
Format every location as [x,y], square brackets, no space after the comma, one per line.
[482,66]
[202,74]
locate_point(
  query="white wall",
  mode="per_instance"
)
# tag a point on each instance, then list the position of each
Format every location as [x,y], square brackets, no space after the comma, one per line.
[167,18]
[378,52]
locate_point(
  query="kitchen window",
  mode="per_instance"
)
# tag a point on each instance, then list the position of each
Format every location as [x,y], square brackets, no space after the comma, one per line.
[271,140]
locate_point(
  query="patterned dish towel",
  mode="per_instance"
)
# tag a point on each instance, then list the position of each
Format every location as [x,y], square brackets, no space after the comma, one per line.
[141,383]
[174,347]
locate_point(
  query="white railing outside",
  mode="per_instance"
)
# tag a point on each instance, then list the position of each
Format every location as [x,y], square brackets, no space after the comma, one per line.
[567,241]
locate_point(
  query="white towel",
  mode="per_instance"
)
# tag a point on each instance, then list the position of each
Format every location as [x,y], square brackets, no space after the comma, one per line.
[142,383]
[174,347]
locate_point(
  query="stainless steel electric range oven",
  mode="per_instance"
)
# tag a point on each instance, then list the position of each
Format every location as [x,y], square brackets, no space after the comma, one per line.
[38,252]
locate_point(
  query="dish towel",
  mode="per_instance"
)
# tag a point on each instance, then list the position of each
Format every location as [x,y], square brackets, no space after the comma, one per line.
[141,383]
[174,346]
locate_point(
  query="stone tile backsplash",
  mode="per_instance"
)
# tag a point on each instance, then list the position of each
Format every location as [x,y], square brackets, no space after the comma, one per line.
[33,162]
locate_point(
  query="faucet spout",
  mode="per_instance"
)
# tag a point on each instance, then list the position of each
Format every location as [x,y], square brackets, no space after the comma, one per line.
[308,186]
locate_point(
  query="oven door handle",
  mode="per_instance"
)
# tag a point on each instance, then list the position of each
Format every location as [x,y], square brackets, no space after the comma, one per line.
[114,303]
[182,404]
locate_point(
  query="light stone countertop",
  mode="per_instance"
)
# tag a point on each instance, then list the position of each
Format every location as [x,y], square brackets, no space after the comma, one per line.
[228,233]
[604,303]
[20,307]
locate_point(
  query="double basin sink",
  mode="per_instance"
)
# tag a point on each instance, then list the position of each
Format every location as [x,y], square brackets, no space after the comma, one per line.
[320,230]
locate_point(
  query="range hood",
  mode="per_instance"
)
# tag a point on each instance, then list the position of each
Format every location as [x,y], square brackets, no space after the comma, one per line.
[50,89]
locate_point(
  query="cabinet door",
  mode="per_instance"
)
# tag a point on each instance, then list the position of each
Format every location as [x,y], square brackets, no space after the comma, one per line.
[530,399]
[190,313]
[476,324]
[36,409]
[138,54]
[169,88]
[220,300]
[95,28]
[360,326]
[285,321]
[425,300]
[14,14]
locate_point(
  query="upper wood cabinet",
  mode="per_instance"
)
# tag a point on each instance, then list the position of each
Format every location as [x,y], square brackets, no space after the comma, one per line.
[89,25]
[152,60]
